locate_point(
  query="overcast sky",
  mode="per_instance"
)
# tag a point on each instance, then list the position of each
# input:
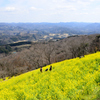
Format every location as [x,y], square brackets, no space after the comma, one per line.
[49,10]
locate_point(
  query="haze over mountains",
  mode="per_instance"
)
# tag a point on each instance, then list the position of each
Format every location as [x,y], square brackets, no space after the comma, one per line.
[12,32]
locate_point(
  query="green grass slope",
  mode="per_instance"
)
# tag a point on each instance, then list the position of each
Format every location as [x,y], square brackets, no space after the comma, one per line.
[74,79]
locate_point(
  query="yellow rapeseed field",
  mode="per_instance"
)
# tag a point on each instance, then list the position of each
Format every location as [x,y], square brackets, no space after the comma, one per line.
[74,79]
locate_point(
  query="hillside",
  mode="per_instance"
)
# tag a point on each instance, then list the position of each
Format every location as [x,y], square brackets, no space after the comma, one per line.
[19,59]
[74,79]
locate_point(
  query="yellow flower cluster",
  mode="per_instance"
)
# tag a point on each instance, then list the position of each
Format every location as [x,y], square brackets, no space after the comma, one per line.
[73,79]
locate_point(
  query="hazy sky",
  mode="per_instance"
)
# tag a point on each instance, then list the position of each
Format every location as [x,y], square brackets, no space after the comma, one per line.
[49,10]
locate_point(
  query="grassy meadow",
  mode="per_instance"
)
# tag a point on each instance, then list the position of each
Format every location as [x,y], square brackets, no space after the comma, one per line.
[74,79]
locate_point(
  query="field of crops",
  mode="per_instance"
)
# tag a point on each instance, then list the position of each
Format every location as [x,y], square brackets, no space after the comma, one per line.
[74,79]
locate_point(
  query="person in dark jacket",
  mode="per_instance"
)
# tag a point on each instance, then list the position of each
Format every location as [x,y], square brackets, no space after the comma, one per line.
[50,68]
[41,69]
[46,69]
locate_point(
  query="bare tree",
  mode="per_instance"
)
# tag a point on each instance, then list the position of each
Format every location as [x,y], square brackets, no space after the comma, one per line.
[95,45]
[48,51]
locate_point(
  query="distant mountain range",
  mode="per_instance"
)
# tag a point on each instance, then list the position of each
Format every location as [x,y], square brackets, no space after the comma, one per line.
[12,32]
